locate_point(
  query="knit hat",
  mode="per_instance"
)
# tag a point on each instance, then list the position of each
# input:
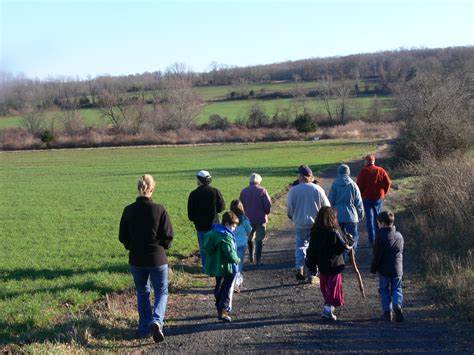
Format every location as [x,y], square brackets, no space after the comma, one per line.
[343,169]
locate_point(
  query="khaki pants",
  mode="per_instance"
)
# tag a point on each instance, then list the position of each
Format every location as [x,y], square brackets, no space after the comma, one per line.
[256,242]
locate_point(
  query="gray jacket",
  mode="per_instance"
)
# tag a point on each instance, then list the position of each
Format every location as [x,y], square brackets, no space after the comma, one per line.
[345,197]
[304,202]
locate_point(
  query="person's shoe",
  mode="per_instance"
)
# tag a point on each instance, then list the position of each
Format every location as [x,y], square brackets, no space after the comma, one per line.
[313,280]
[387,316]
[300,275]
[225,317]
[328,314]
[398,313]
[157,331]
[237,289]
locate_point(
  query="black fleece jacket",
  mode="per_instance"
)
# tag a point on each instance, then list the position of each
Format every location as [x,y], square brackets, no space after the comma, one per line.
[146,231]
[204,204]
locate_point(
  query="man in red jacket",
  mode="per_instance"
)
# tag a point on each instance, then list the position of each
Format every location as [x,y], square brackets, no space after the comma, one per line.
[374,183]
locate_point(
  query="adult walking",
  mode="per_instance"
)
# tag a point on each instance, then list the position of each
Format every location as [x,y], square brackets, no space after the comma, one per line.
[257,205]
[304,202]
[374,183]
[146,231]
[204,205]
[345,197]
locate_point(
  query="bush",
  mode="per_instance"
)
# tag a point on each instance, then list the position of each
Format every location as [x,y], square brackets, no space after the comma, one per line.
[33,122]
[218,122]
[305,123]
[257,117]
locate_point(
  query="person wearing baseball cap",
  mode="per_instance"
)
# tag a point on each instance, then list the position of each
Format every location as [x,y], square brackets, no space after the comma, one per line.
[204,205]
[374,183]
[304,202]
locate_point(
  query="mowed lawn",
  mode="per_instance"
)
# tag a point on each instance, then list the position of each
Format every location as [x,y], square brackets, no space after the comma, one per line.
[60,212]
[233,110]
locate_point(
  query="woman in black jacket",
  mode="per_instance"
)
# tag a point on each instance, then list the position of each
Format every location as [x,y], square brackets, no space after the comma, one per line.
[325,252]
[146,231]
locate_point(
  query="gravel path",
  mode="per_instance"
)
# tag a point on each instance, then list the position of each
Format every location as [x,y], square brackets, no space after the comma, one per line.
[274,313]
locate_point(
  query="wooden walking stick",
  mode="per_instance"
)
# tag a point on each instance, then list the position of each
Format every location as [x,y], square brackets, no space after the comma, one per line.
[359,277]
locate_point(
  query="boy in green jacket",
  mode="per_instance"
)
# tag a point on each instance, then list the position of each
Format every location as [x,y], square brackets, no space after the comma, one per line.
[221,262]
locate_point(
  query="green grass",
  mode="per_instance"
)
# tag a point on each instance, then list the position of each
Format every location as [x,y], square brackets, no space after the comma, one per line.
[357,107]
[61,209]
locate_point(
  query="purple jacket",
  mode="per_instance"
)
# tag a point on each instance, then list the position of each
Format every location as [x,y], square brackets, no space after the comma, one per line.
[257,203]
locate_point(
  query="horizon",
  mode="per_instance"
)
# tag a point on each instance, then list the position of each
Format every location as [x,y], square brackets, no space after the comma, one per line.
[159,34]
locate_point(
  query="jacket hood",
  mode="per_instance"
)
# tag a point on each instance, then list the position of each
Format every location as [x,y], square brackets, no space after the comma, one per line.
[342,180]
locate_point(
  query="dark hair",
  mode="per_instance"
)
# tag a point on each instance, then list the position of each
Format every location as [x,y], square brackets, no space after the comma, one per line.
[326,219]
[237,207]
[386,217]
[230,218]
[204,180]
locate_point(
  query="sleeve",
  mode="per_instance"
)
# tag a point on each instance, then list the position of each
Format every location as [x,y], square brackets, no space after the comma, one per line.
[191,211]
[290,204]
[377,256]
[165,230]
[324,199]
[359,205]
[332,195]
[248,227]
[342,244]
[220,204]
[361,181]
[267,202]
[124,236]
[386,182]
[230,255]
[311,259]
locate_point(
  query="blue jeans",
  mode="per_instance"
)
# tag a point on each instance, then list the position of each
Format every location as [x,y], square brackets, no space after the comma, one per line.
[372,209]
[303,236]
[240,267]
[390,289]
[159,278]
[352,228]
[202,253]
[224,291]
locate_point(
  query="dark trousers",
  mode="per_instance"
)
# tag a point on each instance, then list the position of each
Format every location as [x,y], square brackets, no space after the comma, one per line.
[224,291]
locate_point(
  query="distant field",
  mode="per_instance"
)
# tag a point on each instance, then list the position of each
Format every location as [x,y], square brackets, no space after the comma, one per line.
[357,107]
[61,209]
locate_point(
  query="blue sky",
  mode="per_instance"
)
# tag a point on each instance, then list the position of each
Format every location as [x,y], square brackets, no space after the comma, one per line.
[78,38]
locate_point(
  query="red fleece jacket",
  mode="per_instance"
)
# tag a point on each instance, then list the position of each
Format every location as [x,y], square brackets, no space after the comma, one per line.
[373,182]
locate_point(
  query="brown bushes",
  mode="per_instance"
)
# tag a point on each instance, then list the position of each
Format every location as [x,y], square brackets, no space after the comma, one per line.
[442,231]
[362,129]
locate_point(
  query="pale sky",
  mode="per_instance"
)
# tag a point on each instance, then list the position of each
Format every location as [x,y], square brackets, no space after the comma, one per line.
[78,38]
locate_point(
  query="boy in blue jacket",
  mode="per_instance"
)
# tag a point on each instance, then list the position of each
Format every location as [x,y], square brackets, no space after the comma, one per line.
[388,262]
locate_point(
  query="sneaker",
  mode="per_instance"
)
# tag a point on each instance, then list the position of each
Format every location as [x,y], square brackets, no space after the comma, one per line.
[387,316]
[313,280]
[398,313]
[328,313]
[225,317]
[237,289]
[300,275]
[157,331]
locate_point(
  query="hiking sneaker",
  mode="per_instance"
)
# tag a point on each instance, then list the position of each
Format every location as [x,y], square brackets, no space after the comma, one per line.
[237,289]
[300,275]
[157,331]
[398,313]
[328,313]
[313,280]
[225,317]
[387,316]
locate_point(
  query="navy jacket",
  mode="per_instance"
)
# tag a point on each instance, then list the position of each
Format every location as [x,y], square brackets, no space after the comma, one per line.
[388,253]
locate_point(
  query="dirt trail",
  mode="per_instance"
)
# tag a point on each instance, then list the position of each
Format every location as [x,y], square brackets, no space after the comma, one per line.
[276,314]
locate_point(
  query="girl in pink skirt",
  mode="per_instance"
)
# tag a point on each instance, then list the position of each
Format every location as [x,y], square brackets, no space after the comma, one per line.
[325,252]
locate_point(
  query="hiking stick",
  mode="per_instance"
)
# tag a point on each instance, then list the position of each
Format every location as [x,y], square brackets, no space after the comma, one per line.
[359,277]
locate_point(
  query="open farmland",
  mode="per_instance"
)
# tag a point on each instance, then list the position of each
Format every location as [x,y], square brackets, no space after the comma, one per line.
[59,246]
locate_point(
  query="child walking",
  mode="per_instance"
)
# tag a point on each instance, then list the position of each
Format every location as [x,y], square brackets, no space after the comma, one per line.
[388,262]
[221,262]
[326,249]
[241,233]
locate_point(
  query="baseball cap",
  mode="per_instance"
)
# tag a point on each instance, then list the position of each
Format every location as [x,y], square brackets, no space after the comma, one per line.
[203,174]
[305,170]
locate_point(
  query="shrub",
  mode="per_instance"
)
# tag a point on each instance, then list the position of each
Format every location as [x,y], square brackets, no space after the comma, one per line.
[47,137]
[305,123]
[257,117]
[33,122]
[218,122]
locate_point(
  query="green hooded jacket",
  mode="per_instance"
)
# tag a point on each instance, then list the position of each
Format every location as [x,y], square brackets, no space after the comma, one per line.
[221,256]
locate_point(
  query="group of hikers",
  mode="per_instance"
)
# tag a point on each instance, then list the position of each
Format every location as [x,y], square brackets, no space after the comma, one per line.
[326,234]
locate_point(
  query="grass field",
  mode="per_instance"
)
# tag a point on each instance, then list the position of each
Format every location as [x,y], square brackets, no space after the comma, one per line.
[357,107]
[60,212]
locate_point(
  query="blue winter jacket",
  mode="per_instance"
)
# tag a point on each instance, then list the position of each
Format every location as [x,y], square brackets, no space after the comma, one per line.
[346,199]
[242,232]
